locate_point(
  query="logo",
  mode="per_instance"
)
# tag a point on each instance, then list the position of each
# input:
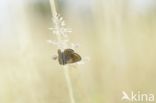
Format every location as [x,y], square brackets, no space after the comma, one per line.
[137,96]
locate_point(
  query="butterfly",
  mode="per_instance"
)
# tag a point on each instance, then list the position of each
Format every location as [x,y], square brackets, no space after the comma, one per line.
[68,56]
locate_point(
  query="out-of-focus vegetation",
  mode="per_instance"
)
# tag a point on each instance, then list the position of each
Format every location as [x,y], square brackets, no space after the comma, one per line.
[118,35]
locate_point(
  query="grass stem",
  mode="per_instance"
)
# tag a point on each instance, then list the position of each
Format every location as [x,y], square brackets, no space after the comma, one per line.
[65,68]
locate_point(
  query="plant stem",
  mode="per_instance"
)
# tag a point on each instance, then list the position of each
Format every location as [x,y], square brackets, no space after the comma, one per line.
[69,83]
[54,14]
[65,68]
[53,8]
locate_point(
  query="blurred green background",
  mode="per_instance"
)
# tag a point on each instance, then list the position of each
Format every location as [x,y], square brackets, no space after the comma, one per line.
[118,35]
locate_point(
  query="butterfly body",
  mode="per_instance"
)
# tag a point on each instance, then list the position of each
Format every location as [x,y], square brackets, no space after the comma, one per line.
[68,56]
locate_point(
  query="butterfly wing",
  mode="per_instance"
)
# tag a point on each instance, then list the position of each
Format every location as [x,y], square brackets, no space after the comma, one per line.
[68,56]
[71,57]
[60,57]
[74,58]
[68,51]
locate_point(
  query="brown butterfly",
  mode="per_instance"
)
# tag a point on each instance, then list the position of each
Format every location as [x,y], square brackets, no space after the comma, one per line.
[68,56]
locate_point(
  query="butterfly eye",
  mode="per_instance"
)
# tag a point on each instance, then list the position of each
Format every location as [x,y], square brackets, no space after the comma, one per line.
[54,57]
